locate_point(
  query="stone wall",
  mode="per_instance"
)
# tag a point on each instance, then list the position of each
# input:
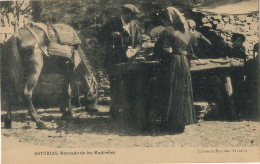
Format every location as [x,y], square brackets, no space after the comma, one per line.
[225,26]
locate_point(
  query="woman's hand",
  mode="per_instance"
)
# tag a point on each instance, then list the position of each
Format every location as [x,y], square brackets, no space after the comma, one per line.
[115,34]
[130,52]
[167,50]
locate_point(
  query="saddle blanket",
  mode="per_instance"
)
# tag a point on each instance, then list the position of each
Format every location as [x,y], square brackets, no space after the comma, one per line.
[63,34]
[61,38]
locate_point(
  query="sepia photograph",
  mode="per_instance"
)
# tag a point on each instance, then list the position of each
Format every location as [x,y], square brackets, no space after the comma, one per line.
[129,81]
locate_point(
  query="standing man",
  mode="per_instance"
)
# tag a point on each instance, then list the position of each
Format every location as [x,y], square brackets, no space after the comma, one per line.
[121,34]
[122,38]
[237,76]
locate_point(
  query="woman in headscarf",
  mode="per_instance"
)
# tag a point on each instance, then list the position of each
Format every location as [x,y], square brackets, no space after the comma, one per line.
[173,48]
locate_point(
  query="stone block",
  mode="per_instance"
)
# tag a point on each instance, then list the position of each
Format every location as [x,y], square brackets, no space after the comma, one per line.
[231,17]
[241,18]
[219,27]
[238,23]
[255,19]
[216,17]
[207,25]
[254,26]
[225,19]
[250,32]
[205,20]
[215,22]
[248,19]
[231,21]
[229,27]
[246,28]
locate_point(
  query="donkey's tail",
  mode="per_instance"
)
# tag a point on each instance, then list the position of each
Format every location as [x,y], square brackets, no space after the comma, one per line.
[15,67]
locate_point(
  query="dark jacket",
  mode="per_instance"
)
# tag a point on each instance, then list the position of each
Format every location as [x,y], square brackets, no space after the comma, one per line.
[117,46]
[237,52]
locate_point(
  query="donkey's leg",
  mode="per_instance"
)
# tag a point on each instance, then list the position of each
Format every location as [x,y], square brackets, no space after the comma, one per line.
[34,70]
[8,104]
[8,120]
[66,108]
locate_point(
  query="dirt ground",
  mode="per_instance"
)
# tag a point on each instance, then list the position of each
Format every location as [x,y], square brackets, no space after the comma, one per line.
[97,130]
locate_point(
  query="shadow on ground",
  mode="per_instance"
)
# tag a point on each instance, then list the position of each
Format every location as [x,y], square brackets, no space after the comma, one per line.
[94,122]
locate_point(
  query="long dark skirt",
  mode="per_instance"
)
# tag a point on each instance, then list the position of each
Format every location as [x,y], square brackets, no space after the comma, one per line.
[178,94]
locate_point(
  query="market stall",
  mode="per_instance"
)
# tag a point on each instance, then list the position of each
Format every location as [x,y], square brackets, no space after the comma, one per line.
[138,98]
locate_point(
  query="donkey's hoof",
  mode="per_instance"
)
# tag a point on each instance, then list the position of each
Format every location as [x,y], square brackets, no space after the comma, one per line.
[40,125]
[8,124]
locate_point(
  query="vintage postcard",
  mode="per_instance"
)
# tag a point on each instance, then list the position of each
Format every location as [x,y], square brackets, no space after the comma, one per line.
[128,81]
